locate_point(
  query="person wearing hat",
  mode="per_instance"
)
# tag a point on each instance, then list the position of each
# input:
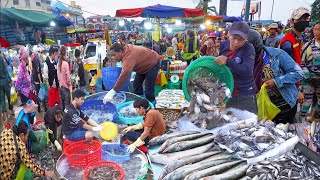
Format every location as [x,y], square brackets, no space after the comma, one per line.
[153,125]
[144,61]
[239,56]
[272,39]
[211,45]
[76,126]
[311,81]
[291,42]
[36,138]
[52,119]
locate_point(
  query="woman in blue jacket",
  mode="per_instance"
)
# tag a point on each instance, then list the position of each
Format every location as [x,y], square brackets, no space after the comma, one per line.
[280,73]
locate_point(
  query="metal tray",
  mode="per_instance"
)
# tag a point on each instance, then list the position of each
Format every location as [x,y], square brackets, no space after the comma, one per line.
[308,152]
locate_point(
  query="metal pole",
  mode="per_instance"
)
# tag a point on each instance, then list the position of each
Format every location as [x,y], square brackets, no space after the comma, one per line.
[272,9]
[246,17]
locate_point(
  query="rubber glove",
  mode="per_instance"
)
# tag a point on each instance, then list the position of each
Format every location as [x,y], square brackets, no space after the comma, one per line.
[133,128]
[97,129]
[109,96]
[136,144]
[58,146]
[92,123]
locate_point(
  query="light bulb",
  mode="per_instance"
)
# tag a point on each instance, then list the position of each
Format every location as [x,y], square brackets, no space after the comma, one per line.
[178,22]
[169,30]
[121,23]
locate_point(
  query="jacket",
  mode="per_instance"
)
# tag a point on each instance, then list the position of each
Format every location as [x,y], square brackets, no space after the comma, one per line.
[241,66]
[287,72]
[295,45]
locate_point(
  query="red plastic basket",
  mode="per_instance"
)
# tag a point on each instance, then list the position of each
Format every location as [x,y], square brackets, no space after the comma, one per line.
[82,153]
[92,166]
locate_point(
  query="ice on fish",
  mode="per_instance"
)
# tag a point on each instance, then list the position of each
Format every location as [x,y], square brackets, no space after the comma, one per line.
[134,167]
[117,99]
[128,111]
[99,116]
[69,172]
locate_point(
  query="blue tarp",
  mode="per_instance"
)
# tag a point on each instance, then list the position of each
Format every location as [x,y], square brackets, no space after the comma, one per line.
[63,21]
[163,11]
[231,18]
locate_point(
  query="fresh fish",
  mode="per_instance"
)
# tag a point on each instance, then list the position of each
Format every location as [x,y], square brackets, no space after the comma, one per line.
[184,145]
[185,161]
[220,168]
[163,138]
[205,98]
[171,141]
[182,172]
[233,174]
[170,157]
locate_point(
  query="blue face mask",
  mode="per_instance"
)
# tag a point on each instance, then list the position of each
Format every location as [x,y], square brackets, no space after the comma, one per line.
[56,59]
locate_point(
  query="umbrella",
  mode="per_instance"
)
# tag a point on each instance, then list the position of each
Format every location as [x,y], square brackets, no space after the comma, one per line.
[159,11]
[231,18]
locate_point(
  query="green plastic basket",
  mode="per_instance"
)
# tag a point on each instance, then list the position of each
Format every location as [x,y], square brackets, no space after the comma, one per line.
[187,56]
[206,65]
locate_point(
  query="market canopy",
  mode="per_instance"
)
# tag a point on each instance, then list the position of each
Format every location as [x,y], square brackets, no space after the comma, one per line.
[28,16]
[231,18]
[205,17]
[31,17]
[159,11]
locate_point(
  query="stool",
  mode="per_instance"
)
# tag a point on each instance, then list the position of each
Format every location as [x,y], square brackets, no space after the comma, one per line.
[67,142]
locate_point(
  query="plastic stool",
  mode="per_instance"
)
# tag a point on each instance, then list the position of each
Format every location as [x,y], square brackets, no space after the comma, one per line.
[67,142]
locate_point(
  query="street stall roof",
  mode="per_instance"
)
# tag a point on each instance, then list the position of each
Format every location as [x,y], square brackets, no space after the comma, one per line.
[28,16]
[160,11]
[205,17]
[231,18]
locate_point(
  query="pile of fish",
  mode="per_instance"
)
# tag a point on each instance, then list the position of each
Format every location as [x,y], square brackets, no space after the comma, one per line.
[171,98]
[207,96]
[292,165]
[128,112]
[117,99]
[104,173]
[99,116]
[252,141]
[192,155]
[134,167]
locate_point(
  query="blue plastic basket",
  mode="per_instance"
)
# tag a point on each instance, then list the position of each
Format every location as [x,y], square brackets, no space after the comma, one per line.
[126,120]
[110,76]
[98,105]
[108,156]
[117,94]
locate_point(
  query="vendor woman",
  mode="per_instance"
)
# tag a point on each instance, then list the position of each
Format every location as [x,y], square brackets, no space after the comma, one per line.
[15,161]
[76,126]
[144,61]
[52,120]
[153,125]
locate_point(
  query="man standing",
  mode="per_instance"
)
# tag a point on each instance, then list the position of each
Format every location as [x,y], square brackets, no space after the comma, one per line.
[292,42]
[239,55]
[51,78]
[272,40]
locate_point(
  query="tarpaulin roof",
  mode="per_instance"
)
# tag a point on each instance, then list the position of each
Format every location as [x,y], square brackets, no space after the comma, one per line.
[231,18]
[31,17]
[34,17]
[205,17]
[160,11]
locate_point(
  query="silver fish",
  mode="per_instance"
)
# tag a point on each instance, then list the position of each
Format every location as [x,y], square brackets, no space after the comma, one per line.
[163,138]
[234,173]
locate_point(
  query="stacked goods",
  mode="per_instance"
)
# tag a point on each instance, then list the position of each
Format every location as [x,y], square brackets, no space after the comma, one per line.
[171,99]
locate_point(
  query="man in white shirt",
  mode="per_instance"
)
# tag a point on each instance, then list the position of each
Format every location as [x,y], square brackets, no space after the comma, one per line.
[174,42]
[51,78]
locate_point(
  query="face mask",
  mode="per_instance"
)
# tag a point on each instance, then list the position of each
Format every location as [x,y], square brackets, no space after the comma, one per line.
[301,25]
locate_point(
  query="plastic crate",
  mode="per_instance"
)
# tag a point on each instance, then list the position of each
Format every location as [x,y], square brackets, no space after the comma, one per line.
[125,120]
[207,66]
[110,76]
[82,153]
[108,156]
[99,105]
[92,166]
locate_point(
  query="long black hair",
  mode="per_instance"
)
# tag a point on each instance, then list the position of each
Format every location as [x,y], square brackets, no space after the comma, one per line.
[21,128]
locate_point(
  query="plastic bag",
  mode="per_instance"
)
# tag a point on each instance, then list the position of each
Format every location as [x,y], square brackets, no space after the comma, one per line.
[13,97]
[163,79]
[43,94]
[266,109]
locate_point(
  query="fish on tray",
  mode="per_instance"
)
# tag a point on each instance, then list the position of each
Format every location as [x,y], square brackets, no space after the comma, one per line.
[292,165]
[104,173]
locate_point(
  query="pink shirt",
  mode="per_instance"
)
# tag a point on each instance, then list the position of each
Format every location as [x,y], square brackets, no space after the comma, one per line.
[64,75]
